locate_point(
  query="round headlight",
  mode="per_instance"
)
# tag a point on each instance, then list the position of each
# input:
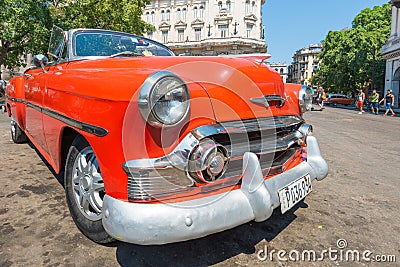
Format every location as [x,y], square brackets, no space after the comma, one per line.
[169,100]
[163,99]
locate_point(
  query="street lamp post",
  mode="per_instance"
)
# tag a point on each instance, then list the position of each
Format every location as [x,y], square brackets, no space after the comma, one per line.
[235,30]
[209,29]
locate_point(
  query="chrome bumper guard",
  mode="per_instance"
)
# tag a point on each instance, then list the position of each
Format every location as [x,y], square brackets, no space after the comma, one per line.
[149,224]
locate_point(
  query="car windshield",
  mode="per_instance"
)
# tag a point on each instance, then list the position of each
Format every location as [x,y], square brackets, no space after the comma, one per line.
[104,43]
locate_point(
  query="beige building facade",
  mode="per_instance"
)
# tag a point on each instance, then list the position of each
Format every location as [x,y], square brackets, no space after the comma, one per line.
[305,64]
[207,27]
[280,68]
[391,52]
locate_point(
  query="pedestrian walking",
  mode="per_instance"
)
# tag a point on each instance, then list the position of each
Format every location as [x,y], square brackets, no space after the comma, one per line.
[374,102]
[389,99]
[360,100]
[321,96]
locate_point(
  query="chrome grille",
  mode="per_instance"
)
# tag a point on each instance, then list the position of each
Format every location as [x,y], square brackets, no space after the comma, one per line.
[274,140]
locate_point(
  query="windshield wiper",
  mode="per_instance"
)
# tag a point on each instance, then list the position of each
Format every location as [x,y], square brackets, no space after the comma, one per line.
[127,53]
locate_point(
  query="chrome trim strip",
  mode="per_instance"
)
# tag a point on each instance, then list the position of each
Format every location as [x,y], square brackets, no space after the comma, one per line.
[18,100]
[89,128]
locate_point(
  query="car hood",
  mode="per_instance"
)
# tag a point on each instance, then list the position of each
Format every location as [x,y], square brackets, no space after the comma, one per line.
[230,82]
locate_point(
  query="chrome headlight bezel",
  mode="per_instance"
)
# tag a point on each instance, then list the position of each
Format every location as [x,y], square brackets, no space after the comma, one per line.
[147,103]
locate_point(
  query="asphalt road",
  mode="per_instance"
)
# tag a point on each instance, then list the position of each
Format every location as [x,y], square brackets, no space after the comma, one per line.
[358,202]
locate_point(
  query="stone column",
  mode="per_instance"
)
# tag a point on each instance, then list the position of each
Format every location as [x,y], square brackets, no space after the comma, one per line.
[395,17]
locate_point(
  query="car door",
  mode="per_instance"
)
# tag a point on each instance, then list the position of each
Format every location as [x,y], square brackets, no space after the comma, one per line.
[36,88]
[34,92]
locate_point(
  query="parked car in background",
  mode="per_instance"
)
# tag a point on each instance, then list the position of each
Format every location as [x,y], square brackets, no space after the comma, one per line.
[334,99]
[156,148]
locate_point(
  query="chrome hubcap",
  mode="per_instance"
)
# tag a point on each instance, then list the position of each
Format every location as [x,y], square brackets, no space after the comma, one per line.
[88,184]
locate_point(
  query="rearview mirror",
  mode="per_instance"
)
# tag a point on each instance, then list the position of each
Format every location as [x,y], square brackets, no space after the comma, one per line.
[40,61]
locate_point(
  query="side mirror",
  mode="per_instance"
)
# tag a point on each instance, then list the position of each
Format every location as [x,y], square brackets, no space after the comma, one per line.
[40,61]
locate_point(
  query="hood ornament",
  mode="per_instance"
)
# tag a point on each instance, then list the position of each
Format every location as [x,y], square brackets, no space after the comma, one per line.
[269,100]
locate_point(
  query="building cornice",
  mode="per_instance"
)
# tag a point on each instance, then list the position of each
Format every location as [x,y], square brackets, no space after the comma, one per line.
[164,26]
[250,19]
[180,25]
[391,55]
[218,41]
[197,23]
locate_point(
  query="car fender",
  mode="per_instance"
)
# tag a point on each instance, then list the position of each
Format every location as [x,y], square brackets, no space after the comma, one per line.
[15,100]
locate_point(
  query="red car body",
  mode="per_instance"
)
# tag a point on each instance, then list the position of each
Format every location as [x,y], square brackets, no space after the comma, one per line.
[334,99]
[98,100]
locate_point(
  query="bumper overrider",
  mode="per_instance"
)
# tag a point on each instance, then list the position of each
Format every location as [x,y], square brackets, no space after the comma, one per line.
[148,224]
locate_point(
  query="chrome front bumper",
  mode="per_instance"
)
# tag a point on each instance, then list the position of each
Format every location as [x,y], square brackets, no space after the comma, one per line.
[149,224]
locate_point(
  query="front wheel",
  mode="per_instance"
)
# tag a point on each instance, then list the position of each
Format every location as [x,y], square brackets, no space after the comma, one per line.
[84,188]
[17,135]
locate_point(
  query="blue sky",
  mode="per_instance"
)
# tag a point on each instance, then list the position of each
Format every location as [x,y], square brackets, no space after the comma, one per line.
[292,24]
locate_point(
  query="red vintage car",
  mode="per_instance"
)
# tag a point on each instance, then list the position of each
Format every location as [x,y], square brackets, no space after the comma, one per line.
[155,148]
[334,99]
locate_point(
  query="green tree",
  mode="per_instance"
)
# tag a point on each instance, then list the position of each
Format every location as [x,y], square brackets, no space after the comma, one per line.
[119,15]
[24,28]
[351,57]
[25,25]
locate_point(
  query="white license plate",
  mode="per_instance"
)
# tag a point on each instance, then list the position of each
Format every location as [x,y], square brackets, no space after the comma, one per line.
[291,194]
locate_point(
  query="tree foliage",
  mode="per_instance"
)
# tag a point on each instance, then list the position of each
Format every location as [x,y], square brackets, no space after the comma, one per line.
[119,15]
[351,58]
[25,25]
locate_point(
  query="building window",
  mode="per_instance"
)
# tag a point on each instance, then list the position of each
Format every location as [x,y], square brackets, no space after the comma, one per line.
[219,5]
[201,12]
[147,17]
[150,35]
[168,15]
[178,14]
[181,35]
[247,7]
[184,14]
[152,16]
[223,30]
[197,34]
[165,36]
[253,4]
[281,71]
[228,5]
[249,28]
[162,15]
[195,12]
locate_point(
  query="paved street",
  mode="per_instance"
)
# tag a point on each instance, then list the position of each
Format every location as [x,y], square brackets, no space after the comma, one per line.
[359,202]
